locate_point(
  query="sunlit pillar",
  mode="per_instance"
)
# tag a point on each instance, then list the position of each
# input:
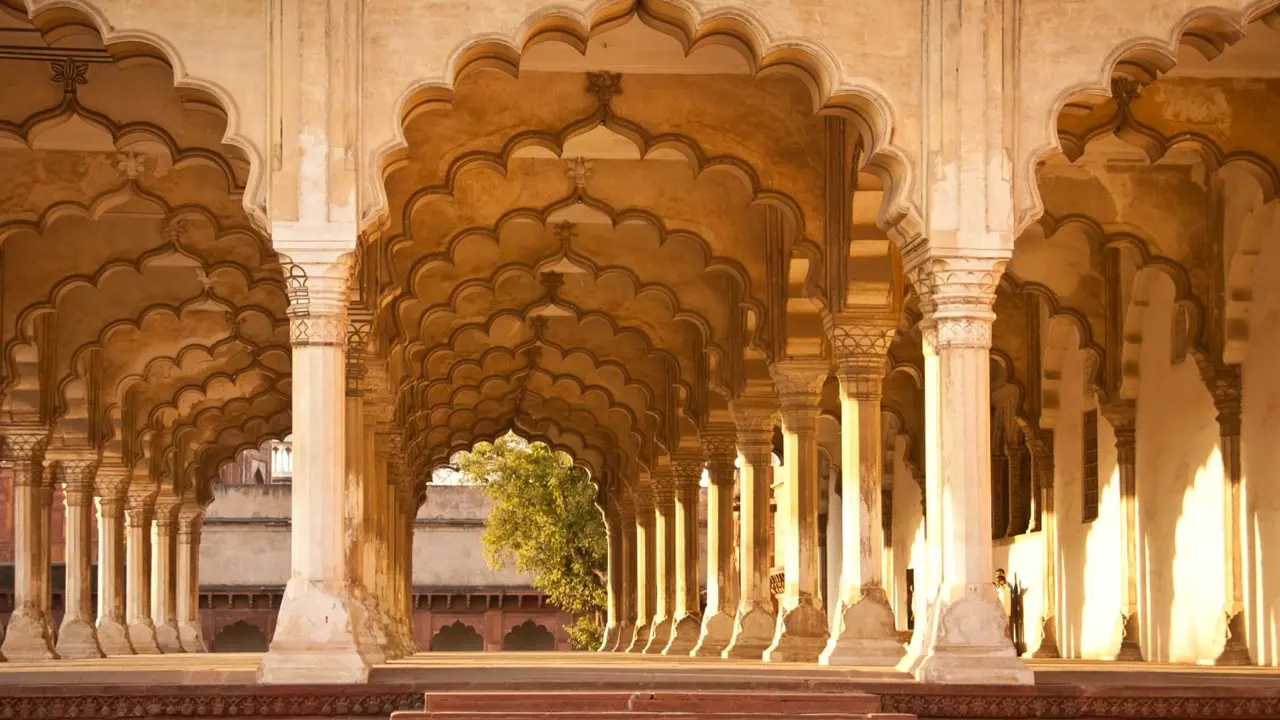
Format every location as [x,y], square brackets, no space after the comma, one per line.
[1122,417]
[686,622]
[359,327]
[627,584]
[407,501]
[719,445]
[1042,464]
[664,503]
[164,608]
[142,630]
[1227,394]
[111,486]
[377,560]
[754,622]
[190,522]
[22,455]
[77,636]
[613,586]
[646,546]
[960,291]
[864,632]
[315,638]
[802,628]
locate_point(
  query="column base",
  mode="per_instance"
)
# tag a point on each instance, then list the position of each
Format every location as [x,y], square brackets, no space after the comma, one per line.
[167,638]
[802,634]
[660,636]
[717,631]
[1048,649]
[407,645]
[1235,651]
[866,633]
[684,636]
[192,638]
[142,636]
[965,641]
[641,638]
[27,637]
[367,635]
[753,632]
[77,640]
[1130,649]
[113,638]
[315,640]
[384,632]
[610,640]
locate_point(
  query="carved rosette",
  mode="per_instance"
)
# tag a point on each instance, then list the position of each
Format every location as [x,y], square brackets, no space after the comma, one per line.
[753,418]
[720,448]
[22,452]
[958,294]
[799,383]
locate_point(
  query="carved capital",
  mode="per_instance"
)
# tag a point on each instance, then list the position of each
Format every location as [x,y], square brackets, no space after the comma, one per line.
[859,342]
[753,419]
[166,510]
[75,472]
[190,518]
[111,482]
[317,303]
[1126,444]
[22,451]
[799,384]
[643,502]
[1227,389]
[687,470]
[1042,457]
[664,485]
[720,448]
[359,337]
[958,293]
[140,504]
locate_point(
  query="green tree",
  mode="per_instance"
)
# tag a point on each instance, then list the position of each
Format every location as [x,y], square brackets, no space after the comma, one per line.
[544,521]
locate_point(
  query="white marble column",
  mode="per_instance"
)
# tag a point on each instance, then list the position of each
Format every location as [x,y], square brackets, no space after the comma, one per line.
[1227,395]
[77,636]
[964,632]
[190,522]
[719,446]
[664,567]
[864,632]
[22,454]
[111,486]
[754,622]
[142,630]
[377,561]
[627,550]
[1042,464]
[646,547]
[686,622]
[407,504]
[316,631]
[164,606]
[359,327]
[613,585]
[802,628]
[1123,420]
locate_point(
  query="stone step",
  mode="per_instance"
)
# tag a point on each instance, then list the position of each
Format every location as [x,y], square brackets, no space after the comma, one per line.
[668,705]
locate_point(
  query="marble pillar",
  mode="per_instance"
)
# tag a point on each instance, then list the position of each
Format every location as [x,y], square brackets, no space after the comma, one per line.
[864,632]
[627,586]
[802,627]
[1042,465]
[315,638]
[1122,418]
[1227,395]
[359,327]
[376,568]
[719,447]
[44,567]
[686,623]
[164,606]
[190,522]
[77,636]
[965,637]
[664,567]
[613,585]
[27,635]
[646,547]
[754,622]
[407,504]
[138,513]
[111,487]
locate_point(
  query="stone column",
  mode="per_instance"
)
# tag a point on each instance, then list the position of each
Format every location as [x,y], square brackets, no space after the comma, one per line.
[190,522]
[753,626]
[1042,465]
[27,636]
[377,553]
[142,631]
[719,446]
[408,502]
[75,471]
[316,631]
[164,606]
[359,328]
[111,486]
[928,574]
[646,548]
[1018,520]
[965,631]
[864,632]
[613,586]
[686,623]
[802,628]
[664,567]
[627,550]
[1126,462]
[1227,395]
[44,568]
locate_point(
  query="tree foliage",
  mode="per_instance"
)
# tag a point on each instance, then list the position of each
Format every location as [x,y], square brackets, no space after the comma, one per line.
[544,522]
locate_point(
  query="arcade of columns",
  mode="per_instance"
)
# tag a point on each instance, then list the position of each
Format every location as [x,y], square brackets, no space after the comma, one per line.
[650,233]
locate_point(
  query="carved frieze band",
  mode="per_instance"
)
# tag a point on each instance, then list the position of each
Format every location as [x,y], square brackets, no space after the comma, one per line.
[317,307]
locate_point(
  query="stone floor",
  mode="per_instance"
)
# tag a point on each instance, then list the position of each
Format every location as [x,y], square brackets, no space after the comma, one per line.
[224,685]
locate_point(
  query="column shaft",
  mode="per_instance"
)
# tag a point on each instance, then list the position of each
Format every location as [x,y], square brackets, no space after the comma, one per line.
[1043,467]
[142,629]
[111,486]
[354,491]
[190,521]
[1227,395]
[27,636]
[77,636]
[646,576]
[627,585]
[686,622]
[718,443]
[1126,461]
[613,586]
[753,626]
[164,606]
[664,503]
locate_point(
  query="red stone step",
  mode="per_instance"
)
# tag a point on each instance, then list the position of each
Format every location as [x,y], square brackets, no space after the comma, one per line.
[666,705]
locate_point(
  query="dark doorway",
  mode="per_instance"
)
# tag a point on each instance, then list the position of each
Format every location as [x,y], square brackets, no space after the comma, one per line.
[457,638]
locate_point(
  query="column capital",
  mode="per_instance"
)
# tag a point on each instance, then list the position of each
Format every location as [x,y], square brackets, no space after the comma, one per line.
[1126,444]
[663,481]
[75,471]
[317,286]
[720,449]
[190,515]
[359,338]
[643,502]
[1042,452]
[22,449]
[111,482]
[1227,389]
[166,510]
[753,419]
[799,383]
[687,469]
[861,344]
[957,291]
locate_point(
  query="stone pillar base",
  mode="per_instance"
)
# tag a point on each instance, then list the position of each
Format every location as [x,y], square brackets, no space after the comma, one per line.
[384,633]
[367,636]
[659,638]
[315,640]
[752,634]
[113,638]
[641,638]
[966,642]
[1235,651]
[610,641]
[717,630]
[27,637]
[626,631]
[802,635]
[191,638]
[866,634]
[78,640]
[167,638]
[1048,649]
[684,636]
[1130,650]
[142,636]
